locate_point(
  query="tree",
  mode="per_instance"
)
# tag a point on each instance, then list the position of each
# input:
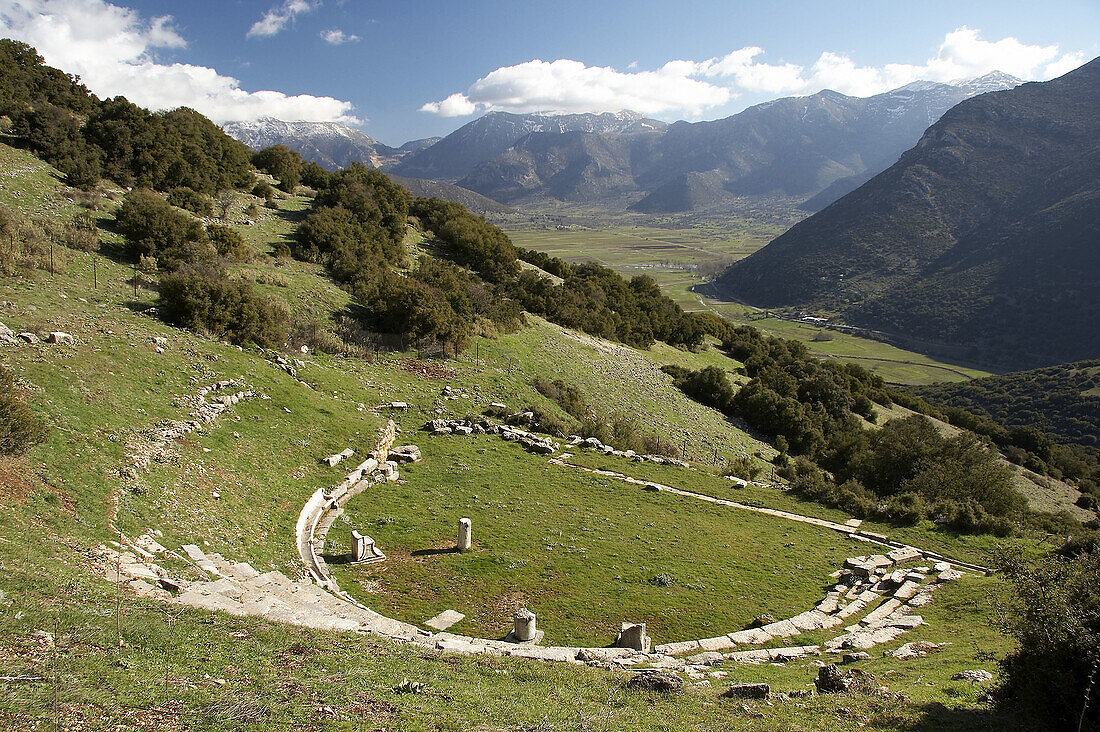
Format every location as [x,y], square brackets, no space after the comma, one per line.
[152,227]
[223,203]
[281,162]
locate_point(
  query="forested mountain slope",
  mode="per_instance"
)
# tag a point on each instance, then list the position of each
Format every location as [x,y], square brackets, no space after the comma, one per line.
[1062,401]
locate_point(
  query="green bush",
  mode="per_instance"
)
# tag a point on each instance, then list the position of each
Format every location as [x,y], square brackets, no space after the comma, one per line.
[229,243]
[1054,616]
[197,203]
[263,190]
[566,396]
[20,429]
[150,226]
[281,162]
[205,300]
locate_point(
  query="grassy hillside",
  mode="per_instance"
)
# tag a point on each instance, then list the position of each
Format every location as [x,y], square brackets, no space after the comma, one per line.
[236,488]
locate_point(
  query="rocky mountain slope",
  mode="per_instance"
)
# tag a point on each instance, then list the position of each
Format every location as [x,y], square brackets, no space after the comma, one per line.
[983,237]
[329,144]
[460,152]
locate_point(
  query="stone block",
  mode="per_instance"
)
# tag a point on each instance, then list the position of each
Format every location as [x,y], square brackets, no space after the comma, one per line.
[747,691]
[633,635]
[904,554]
[444,620]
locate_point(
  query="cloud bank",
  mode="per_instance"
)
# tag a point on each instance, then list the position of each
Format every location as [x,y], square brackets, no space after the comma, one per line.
[691,87]
[113,50]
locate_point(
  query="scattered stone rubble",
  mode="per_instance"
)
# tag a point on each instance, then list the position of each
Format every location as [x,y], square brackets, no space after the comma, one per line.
[152,443]
[10,338]
[512,430]
[976,676]
[538,444]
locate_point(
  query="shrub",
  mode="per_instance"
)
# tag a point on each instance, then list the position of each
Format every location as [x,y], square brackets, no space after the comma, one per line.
[197,203]
[20,429]
[81,232]
[152,227]
[743,466]
[229,243]
[204,300]
[1054,615]
[906,508]
[566,396]
[263,190]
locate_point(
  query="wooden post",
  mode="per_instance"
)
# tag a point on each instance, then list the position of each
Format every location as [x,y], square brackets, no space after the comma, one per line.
[95,278]
[51,257]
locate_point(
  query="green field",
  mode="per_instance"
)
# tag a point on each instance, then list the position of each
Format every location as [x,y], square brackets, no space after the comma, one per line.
[675,257]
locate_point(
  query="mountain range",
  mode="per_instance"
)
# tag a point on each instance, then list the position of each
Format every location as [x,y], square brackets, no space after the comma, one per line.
[329,144]
[799,147]
[984,237]
[811,149]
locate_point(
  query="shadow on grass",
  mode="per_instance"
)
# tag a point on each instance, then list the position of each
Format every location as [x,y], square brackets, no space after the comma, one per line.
[939,718]
[294,217]
[433,552]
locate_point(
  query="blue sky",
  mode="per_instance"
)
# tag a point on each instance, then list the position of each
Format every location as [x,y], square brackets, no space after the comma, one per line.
[404,70]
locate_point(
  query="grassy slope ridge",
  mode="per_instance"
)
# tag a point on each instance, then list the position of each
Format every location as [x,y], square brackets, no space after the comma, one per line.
[981,237]
[261,460]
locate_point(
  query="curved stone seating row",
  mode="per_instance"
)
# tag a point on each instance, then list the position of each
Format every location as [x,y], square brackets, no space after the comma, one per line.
[849,598]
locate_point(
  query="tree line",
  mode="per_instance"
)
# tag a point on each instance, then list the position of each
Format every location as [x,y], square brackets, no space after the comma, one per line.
[817,411]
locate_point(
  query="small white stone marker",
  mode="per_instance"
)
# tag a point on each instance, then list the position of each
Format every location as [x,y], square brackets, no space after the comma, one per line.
[363,549]
[465,534]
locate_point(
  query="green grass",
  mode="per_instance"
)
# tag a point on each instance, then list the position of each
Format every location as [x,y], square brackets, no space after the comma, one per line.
[262,461]
[579,550]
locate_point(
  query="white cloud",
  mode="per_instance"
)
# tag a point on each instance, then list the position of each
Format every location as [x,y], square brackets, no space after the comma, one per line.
[690,87]
[113,50]
[275,19]
[337,37]
[570,86]
[962,55]
[456,105]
